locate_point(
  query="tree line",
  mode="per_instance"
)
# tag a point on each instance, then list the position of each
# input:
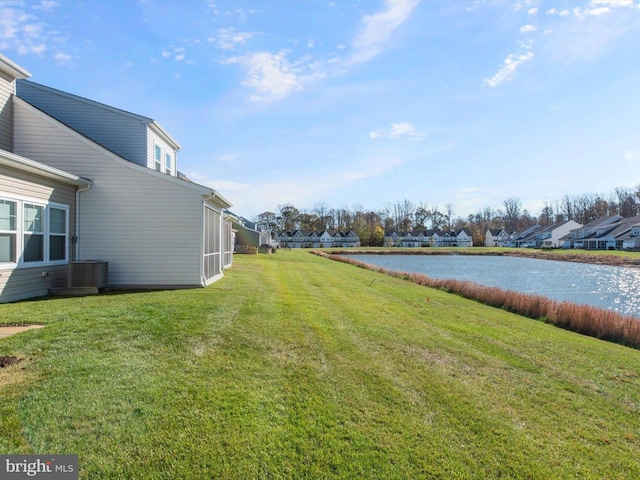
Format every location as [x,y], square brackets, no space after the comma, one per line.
[404,216]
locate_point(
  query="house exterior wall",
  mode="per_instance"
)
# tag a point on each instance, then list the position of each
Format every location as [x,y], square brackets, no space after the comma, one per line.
[562,231]
[114,129]
[20,281]
[7,86]
[148,226]
[154,140]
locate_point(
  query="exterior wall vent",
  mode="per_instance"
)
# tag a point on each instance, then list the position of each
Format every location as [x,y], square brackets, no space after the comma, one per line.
[89,273]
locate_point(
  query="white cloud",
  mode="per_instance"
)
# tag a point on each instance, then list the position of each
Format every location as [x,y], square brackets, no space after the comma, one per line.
[46,6]
[398,130]
[378,27]
[62,57]
[508,69]
[532,11]
[229,38]
[20,30]
[613,3]
[228,158]
[632,158]
[270,75]
[528,28]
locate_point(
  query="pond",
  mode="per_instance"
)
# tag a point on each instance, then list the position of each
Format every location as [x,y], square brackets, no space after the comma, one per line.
[602,286]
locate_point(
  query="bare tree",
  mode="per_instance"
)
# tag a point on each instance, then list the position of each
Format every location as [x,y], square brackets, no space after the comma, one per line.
[449,209]
[512,208]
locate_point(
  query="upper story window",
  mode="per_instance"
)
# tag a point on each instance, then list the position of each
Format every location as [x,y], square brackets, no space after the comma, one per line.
[163,159]
[158,158]
[32,232]
[635,231]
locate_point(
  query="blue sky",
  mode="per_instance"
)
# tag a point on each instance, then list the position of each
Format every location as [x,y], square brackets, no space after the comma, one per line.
[360,103]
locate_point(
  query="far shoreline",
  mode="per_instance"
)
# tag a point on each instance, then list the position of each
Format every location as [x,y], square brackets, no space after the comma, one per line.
[577,256]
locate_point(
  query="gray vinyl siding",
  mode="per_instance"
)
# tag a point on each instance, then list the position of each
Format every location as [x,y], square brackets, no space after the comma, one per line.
[145,224]
[25,282]
[6,89]
[21,283]
[116,130]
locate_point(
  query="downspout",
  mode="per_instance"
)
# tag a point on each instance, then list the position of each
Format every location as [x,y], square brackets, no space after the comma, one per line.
[74,240]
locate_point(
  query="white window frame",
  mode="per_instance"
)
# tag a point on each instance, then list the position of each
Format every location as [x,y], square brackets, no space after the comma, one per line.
[12,232]
[45,231]
[157,156]
[164,158]
[168,162]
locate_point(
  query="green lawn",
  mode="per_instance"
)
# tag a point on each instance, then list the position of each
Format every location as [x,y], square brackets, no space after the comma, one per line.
[293,366]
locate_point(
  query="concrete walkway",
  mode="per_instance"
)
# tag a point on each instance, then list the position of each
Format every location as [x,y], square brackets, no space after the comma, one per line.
[8,331]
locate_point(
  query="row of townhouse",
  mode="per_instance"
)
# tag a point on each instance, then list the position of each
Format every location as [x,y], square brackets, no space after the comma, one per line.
[84,181]
[533,237]
[428,238]
[606,233]
[317,239]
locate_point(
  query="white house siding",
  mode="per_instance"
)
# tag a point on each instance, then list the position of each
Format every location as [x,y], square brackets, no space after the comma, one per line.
[147,225]
[6,89]
[20,282]
[154,139]
[115,129]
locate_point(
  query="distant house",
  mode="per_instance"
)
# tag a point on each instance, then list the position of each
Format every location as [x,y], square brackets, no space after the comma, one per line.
[249,237]
[586,237]
[455,238]
[495,237]
[631,240]
[550,237]
[526,238]
[317,239]
[619,235]
[418,237]
[114,193]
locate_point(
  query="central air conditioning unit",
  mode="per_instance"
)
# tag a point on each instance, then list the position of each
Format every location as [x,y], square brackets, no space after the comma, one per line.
[89,273]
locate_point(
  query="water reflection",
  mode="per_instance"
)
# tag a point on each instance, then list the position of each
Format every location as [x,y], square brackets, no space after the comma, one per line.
[603,286]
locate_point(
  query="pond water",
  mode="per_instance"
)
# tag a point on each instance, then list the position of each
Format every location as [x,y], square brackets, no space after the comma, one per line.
[603,286]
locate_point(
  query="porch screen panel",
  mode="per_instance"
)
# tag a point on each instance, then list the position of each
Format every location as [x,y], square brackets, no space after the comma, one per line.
[212,253]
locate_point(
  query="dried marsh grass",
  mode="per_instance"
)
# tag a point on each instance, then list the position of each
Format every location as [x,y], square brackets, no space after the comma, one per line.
[584,319]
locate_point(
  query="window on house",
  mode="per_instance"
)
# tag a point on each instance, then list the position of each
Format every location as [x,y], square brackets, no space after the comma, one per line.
[167,162]
[32,233]
[8,231]
[57,234]
[33,230]
[158,158]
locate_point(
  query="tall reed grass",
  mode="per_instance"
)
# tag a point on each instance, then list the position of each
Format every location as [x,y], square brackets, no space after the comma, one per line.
[584,319]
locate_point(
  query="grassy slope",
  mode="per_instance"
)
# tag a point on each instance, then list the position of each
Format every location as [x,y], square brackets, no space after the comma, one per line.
[296,366]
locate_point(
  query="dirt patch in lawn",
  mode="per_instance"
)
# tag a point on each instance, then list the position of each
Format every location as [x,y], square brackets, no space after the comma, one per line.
[9,360]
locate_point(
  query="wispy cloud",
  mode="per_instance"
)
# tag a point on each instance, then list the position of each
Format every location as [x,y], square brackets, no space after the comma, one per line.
[272,76]
[398,130]
[229,38]
[24,31]
[20,31]
[268,74]
[632,158]
[377,28]
[528,28]
[508,69]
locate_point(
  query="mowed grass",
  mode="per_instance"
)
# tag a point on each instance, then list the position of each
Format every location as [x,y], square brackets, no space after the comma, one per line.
[294,366]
